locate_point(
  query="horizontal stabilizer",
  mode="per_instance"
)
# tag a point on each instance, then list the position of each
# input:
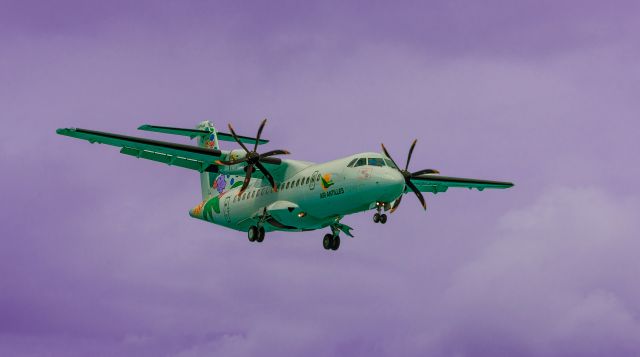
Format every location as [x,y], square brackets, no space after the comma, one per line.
[193,133]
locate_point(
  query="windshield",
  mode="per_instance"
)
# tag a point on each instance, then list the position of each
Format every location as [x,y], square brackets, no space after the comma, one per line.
[375,161]
[390,163]
[361,162]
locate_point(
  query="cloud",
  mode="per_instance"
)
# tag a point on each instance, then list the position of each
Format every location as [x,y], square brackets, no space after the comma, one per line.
[557,280]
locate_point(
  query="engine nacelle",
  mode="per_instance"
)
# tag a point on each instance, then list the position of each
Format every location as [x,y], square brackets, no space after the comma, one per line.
[234,169]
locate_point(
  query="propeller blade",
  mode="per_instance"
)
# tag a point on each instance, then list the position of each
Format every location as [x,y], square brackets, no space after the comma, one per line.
[384,149]
[271,160]
[264,121]
[267,174]
[413,145]
[274,152]
[231,162]
[247,178]
[396,204]
[417,192]
[427,171]
[235,137]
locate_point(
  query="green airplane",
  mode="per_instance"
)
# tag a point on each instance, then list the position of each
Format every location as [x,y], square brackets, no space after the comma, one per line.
[254,192]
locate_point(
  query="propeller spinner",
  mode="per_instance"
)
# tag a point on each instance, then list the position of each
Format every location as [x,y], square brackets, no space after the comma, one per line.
[408,175]
[255,159]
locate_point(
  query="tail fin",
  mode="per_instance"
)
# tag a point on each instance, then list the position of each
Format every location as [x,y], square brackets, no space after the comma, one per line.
[208,179]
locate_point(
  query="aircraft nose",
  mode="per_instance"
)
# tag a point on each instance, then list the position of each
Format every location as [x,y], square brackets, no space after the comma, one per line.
[391,185]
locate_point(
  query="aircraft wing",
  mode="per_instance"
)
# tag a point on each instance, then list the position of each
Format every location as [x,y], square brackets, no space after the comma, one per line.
[187,156]
[436,183]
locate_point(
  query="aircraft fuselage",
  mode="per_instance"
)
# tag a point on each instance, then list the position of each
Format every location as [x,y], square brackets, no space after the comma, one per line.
[312,198]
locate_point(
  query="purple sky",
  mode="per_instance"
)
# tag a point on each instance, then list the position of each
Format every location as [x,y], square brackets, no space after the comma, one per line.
[98,255]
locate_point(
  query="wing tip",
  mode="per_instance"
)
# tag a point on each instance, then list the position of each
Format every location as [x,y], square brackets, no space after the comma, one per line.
[64,131]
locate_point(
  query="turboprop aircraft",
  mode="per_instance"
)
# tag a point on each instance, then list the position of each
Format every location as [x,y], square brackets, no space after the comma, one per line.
[254,192]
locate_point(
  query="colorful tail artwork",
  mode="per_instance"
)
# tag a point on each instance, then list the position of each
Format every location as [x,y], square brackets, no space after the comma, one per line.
[213,185]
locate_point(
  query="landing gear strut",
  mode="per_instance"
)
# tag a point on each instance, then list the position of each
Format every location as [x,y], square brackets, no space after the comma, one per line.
[255,234]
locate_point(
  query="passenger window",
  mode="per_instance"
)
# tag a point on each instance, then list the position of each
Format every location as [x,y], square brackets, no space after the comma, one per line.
[287,186]
[375,161]
[352,162]
[390,163]
[361,162]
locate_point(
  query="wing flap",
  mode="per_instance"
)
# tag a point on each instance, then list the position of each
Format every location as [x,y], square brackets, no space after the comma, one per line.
[169,159]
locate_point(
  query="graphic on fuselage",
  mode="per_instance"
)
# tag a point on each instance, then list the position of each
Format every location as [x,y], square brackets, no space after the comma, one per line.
[326,181]
[314,178]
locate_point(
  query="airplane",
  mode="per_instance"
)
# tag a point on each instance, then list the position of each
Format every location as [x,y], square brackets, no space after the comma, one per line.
[255,192]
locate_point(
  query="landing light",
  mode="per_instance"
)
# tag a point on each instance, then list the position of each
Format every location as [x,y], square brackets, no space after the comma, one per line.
[301,214]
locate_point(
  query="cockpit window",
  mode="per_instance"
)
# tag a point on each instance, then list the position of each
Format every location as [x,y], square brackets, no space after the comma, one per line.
[352,162]
[375,161]
[361,162]
[390,163]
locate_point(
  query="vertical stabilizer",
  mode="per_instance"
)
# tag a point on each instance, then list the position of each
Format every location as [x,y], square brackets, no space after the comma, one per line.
[210,142]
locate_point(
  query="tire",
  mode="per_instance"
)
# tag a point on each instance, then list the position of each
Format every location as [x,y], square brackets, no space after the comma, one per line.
[383,218]
[336,243]
[376,217]
[327,241]
[260,236]
[252,233]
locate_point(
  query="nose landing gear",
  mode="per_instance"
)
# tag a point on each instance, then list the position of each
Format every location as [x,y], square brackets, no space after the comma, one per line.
[379,217]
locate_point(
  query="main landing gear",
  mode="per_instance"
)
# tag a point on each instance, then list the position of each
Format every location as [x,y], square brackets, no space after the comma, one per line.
[255,234]
[331,242]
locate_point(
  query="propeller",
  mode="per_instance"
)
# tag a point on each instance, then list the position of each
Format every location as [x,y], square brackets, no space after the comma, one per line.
[408,175]
[254,159]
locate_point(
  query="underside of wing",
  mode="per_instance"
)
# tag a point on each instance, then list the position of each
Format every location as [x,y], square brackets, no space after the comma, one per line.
[187,156]
[437,183]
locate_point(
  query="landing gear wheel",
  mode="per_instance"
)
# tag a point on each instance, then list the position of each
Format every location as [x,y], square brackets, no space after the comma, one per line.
[376,217]
[383,218]
[252,233]
[327,241]
[336,243]
[260,236]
